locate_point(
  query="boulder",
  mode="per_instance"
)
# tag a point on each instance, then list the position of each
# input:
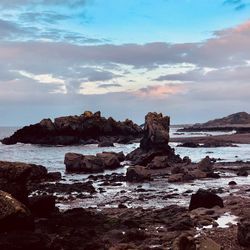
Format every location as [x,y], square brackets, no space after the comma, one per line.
[184,242]
[15,176]
[242,172]
[42,206]
[189,145]
[159,162]
[13,214]
[206,199]
[83,163]
[209,244]
[137,174]
[110,160]
[206,165]
[243,233]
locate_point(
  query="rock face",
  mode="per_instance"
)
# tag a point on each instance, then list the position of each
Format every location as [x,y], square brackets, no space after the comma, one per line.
[13,214]
[154,142]
[243,233]
[156,132]
[75,130]
[92,164]
[15,176]
[205,199]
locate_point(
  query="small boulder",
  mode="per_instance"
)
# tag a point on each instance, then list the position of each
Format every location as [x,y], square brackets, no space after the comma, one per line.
[206,165]
[42,206]
[13,214]
[243,233]
[232,183]
[137,174]
[159,162]
[206,199]
[242,172]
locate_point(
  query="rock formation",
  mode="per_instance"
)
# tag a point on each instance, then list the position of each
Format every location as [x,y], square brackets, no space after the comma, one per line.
[76,130]
[91,163]
[154,142]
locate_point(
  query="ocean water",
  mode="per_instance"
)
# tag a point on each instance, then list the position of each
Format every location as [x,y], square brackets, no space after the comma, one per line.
[52,157]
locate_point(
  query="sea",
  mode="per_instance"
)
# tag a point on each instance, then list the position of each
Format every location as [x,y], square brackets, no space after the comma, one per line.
[52,157]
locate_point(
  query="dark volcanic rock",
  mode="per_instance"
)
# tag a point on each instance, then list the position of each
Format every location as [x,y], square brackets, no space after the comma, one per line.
[243,233]
[92,164]
[242,172]
[204,198]
[106,144]
[154,142]
[74,130]
[13,214]
[156,132]
[16,176]
[137,174]
[42,206]
[83,163]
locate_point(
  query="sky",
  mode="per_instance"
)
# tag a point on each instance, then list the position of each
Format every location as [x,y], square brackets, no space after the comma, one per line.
[189,59]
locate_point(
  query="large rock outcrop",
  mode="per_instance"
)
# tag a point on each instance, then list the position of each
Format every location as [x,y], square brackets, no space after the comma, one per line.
[75,130]
[154,142]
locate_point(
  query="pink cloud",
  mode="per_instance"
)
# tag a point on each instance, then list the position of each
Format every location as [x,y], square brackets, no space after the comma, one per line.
[161,91]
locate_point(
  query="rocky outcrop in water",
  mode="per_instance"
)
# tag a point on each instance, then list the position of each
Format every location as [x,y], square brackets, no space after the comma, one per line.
[81,129]
[92,163]
[154,142]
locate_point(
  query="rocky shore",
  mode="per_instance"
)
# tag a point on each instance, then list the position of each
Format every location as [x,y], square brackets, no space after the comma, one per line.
[199,217]
[71,130]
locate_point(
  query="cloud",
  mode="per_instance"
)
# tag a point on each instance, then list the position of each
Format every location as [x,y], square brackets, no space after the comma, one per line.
[237,4]
[160,91]
[109,85]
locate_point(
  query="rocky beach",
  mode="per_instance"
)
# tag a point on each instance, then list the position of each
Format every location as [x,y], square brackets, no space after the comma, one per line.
[136,188]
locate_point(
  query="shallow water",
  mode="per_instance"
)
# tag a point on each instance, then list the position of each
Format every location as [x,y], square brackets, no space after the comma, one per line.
[156,192]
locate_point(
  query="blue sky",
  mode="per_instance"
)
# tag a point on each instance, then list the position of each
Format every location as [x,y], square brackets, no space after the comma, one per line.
[189,58]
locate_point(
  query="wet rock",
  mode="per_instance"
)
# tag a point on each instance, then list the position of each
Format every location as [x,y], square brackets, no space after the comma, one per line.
[13,214]
[110,160]
[206,165]
[16,176]
[189,145]
[24,240]
[206,199]
[137,174]
[106,144]
[242,172]
[243,233]
[66,188]
[159,162]
[154,142]
[54,176]
[176,177]
[232,183]
[208,244]
[83,163]
[42,206]
[184,242]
